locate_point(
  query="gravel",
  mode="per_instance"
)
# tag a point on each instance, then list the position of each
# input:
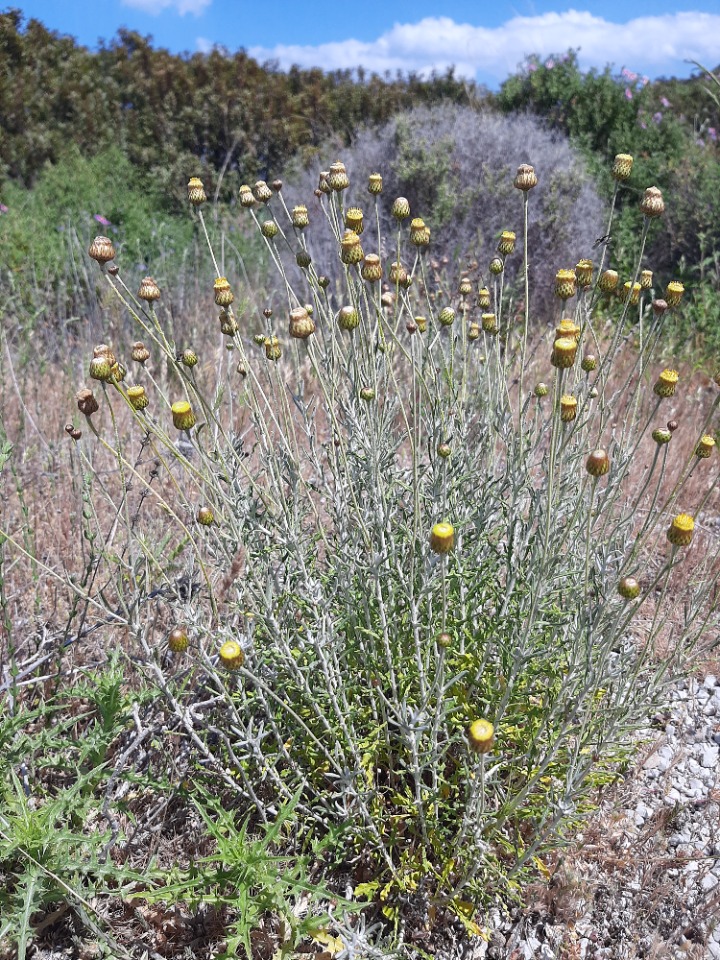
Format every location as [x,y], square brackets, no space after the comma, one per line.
[644,877]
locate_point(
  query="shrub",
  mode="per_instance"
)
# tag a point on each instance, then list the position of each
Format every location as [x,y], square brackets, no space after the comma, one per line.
[422,596]
[455,167]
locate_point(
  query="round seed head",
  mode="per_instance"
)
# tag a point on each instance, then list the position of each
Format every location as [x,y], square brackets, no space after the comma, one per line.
[446,317]
[646,279]
[680,532]
[87,404]
[137,397]
[473,331]
[323,183]
[506,243]
[565,284]
[276,186]
[631,292]
[622,167]
[444,450]
[598,463]
[189,358]
[300,218]
[666,383]
[262,192]
[397,272]
[483,298]
[196,191]
[421,324]
[496,266]
[419,233]
[367,394]
[465,287]
[323,282]
[672,425]
[525,178]
[371,269]
[104,350]
[400,209]
[149,290]
[222,292]
[205,517]
[568,408]
[140,352]
[273,350]
[301,324]
[608,280]
[231,655]
[659,307]
[269,229]
[443,640]
[182,415]
[662,435]
[541,390]
[303,259]
[101,368]
[113,269]
[705,447]
[228,323]
[589,362]
[375,184]
[338,178]
[567,328]
[178,640]
[674,293]
[348,318]
[442,538]
[629,588]
[652,204]
[481,736]
[102,250]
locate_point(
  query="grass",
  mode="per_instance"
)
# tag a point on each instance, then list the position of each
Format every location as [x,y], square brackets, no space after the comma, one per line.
[222,801]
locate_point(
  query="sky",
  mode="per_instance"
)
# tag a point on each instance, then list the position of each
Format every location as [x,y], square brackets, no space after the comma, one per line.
[485,41]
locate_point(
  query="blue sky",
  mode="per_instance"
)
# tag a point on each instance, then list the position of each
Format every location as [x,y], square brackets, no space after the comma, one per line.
[485,40]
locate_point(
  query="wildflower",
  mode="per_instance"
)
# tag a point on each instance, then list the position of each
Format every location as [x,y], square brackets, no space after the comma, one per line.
[348,318]
[622,166]
[680,532]
[652,204]
[178,640]
[568,408]
[372,268]
[525,178]
[337,176]
[665,102]
[711,132]
[299,217]
[183,417]
[354,220]
[140,352]
[608,279]
[231,655]
[301,324]
[375,183]
[496,266]
[3,208]
[102,250]
[350,249]
[400,209]
[674,293]
[506,244]
[103,221]
[442,538]
[565,284]
[137,397]
[148,290]
[564,352]
[646,278]
[549,63]
[481,736]
[446,317]
[666,383]
[629,588]
[222,292]
[657,117]
[705,447]
[628,93]
[262,192]
[273,350]
[196,191]
[489,323]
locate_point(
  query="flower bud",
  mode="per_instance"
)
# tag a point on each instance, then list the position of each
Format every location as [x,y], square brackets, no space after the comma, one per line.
[496,266]
[196,192]
[652,204]
[541,390]
[101,368]
[629,588]
[473,331]
[564,352]
[228,323]
[659,307]
[705,447]
[87,404]
[350,250]
[323,282]
[273,350]
[662,435]
[300,218]
[367,394]
[276,186]
[140,352]
[419,233]
[421,324]
[189,358]
[584,272]
[483,298]
[301,324]
[446,317]
[375,184]
[674,293]
[646,279]
[525,178]
[565,284]
[568,408]
[444,450]
[269,229]
[348,318]
[303,259]
[589,362]
[205,517]
[149,290]
[465,287]
[506,243]
[622,167]
[354,220]
[489,323]
[598,463]
[102,250]
[608,281]
[442,538]
[338,178]
[400,209]
[262,192]
[371,269]
[178,640]
[246,197]
[222,292]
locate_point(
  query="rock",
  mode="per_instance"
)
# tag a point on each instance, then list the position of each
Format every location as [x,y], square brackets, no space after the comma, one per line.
[709,756]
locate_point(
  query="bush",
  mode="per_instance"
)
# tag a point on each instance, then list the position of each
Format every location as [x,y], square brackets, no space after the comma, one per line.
[379,575]
[455,166]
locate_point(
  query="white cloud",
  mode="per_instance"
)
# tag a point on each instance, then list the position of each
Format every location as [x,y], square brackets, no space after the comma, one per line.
[654,44]
[204,45]
[196,7]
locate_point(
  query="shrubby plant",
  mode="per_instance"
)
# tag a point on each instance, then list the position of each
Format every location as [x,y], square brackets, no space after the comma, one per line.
[455,166]
[411,577]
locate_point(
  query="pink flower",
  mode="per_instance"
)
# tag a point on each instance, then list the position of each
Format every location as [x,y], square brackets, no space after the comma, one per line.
[643,125]
[657,117]
[629,75]
[103,221]
[532,67]
[711,132]
[3,208]
[628,93]
[550,63]
[665,102]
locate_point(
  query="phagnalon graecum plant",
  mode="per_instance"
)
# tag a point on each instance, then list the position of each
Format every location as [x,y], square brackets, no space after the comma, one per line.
[426,571]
